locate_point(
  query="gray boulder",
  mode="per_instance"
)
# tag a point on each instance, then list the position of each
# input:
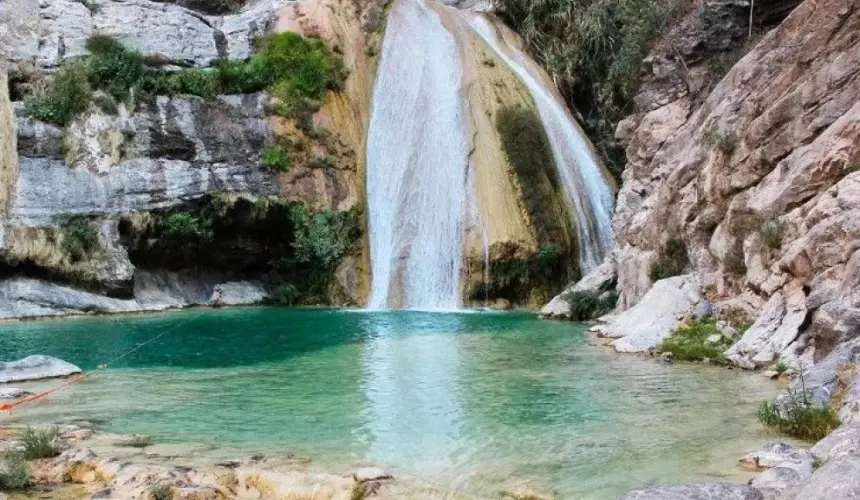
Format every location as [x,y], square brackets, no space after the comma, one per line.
[697,491]
[13,393]
[845,440]
[34,368]
[837,479]
[660,311]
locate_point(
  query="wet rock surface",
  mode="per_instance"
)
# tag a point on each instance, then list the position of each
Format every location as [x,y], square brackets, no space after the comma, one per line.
[35,367]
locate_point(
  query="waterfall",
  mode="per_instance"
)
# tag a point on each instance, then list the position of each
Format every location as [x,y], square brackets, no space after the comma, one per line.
[589,194]
[417,157]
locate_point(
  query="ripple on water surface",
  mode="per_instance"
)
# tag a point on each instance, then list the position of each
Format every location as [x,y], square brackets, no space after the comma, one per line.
[467,401]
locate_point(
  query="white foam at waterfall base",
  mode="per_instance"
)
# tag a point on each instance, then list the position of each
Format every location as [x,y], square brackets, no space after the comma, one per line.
[417,158]
[588,192]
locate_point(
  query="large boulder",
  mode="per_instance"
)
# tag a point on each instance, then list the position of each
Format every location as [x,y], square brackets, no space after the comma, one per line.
[35,367]
[235,293]
[697,491]
[837,479]
[643,326]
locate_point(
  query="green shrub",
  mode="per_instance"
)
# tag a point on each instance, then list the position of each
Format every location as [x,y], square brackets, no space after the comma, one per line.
[68,95]
[295,69]
[688,341]
[673,260]
[322,238]
[285,294]
[185,227]
[40,443]
[80,237]
[159,492]
[586,305]
[798,416]
[277,158]
[15,473]
[106,103]
[780,368]
[723,142]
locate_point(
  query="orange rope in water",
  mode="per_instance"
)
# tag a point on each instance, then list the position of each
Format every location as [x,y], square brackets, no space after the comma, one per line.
[77,378]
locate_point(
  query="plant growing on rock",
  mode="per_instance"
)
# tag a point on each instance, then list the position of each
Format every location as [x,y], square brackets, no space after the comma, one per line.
[80,237]
[771,234]
[159,492]
[673,260]
[798,416]
[14,474]
[186,227]
[68,95]
[277,158]
[586,305]
[690,341]
[40,443]
[724,142]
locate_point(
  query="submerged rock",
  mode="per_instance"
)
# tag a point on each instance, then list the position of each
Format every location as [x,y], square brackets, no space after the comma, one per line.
[35,367]
[776,455]
[697,491]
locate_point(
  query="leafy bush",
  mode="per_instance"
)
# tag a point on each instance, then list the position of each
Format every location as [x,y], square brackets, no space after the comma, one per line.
[585,305]
[69,95]
[322,238]
[15,474]
[295,69]
[798,416]
[673,260]
[780,368]
[688,341]
[79,238]
[186,227]
[40,443]
[277,158]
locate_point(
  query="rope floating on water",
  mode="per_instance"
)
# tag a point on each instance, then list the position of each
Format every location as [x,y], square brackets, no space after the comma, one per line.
[77,378]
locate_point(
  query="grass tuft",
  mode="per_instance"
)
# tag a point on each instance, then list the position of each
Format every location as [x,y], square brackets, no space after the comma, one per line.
[186,227]
[799,417]
[277,158]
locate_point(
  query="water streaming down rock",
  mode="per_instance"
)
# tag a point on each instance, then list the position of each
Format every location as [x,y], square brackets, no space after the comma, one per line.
[417,157]
[586,188]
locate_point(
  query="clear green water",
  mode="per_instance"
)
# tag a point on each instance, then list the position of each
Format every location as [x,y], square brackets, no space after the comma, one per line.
[470,402]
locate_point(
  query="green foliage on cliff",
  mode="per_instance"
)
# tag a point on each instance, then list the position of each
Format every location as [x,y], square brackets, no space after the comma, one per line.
[14,473]
[586,305]
[79,238]
[40,443]
[294,69]
[688,341]
[187,228]
[321,239]
[673,260]
[69,95]
[277,157]
[798,416]
[594,50]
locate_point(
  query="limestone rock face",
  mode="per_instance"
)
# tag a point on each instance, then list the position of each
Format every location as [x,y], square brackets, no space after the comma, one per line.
[649,322]
[238,292]
[35,367]
[57,30]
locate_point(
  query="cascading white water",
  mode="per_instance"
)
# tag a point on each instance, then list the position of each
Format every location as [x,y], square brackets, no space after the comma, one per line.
[417,157]
[589,194]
